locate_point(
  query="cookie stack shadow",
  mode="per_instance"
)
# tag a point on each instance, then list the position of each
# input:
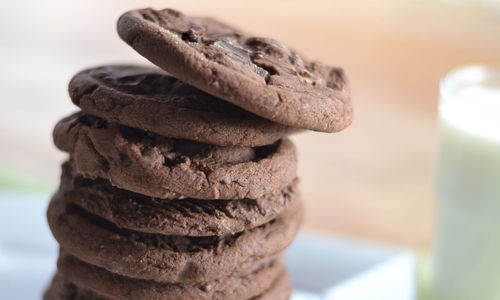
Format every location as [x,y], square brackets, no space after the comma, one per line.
[171,192]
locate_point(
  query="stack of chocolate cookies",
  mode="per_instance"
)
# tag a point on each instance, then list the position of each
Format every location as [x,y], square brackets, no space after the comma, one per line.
[182,185]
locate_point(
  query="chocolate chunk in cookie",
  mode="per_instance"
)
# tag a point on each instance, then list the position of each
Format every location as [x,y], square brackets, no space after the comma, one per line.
[258,74]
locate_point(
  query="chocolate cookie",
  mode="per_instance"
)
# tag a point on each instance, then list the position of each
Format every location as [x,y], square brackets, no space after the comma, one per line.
[191,217]
[166,258]
[247,285]
[280,290]
[61,289]
[157,166]
[260,75]
[150,99]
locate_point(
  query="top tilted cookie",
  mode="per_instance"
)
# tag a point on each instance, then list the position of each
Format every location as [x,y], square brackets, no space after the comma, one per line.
[258,74]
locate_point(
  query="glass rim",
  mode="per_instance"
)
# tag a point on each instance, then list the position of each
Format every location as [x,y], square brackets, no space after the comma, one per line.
[470,74]
[468,100]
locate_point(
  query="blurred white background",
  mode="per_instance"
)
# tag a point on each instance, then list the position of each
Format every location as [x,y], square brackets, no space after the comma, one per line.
[371,181]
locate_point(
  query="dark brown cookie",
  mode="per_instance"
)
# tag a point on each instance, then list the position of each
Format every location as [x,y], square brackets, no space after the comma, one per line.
[61,289]
[191,217]
[166,258]
[260,75]
[280,290]
[161,167]
[246,285]
[150,99]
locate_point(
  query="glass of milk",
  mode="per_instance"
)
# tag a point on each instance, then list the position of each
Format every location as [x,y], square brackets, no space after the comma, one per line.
[466,253]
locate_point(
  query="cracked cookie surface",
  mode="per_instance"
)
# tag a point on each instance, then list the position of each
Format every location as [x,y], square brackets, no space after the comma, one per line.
[167,258]
[244,285]
[192,217]
[150,99]
[260,75]
[162,167]
[61,289]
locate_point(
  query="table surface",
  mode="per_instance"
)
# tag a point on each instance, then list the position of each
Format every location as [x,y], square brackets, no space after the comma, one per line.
[372,180]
